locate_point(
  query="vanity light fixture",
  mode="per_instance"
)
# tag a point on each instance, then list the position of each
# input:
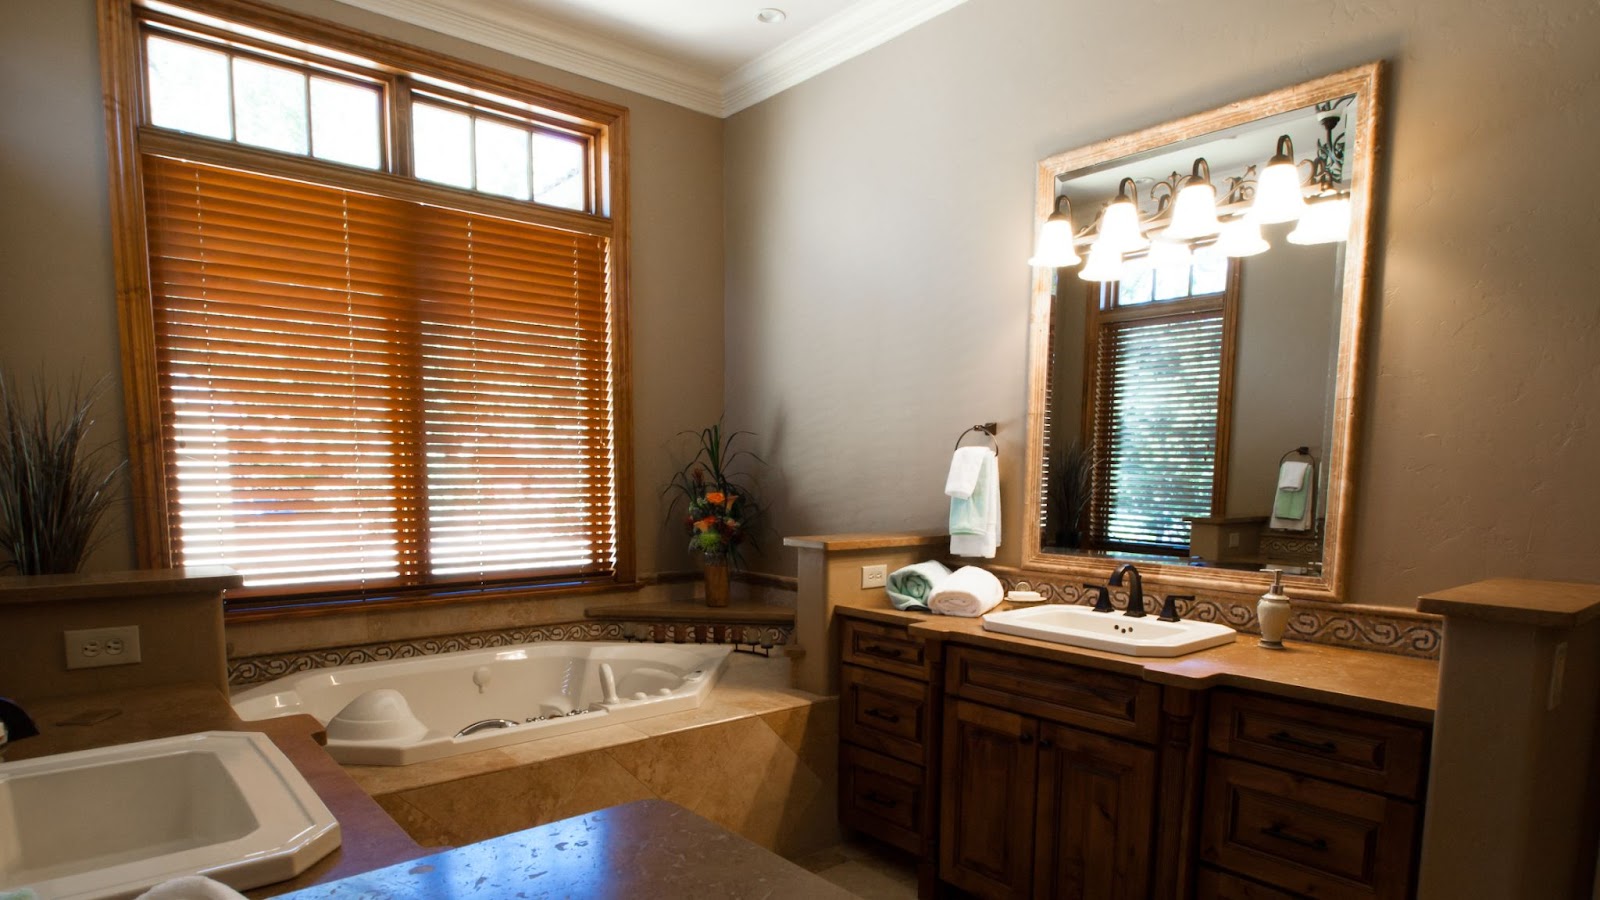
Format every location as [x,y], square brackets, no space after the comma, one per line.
[1278,196]
[1194,213]
[1105,263]
[1056,238]
[1241,237]
[1119,224]
[1325,221]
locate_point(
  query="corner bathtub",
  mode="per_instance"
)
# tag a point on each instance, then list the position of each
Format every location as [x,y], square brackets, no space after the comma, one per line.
[399,712]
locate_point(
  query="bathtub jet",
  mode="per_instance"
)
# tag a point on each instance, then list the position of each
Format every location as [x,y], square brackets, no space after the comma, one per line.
[398,712]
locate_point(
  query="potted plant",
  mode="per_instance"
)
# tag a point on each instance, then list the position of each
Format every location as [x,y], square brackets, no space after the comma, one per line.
[721,507]
[54,488]
[1070,486]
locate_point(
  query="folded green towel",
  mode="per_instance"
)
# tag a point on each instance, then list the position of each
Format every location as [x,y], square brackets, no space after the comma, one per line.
[19,894]
[1290,505]
[910,587]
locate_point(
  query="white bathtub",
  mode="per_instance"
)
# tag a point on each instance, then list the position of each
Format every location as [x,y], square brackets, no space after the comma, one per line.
[404,711]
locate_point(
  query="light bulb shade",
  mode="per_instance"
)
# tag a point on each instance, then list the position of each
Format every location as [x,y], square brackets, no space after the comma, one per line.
[1278,197]
[1169,253]
[1194,213]
[1055,248]
[1120,227]
[1105,263]
[1241,237]
[1324,222]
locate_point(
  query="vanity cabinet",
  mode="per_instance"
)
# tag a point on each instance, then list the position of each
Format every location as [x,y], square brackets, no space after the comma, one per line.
[1309,800]
[1034,804]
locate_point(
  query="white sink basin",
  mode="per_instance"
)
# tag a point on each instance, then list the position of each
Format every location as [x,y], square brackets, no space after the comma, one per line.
[1081,626]
[111,822]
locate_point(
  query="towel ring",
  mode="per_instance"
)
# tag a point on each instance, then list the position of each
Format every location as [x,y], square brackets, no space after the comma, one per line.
[1298,451]
[987,429]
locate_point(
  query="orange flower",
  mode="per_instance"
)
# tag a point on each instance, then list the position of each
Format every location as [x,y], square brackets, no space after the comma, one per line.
[714,496]
[705,524]
[731,497]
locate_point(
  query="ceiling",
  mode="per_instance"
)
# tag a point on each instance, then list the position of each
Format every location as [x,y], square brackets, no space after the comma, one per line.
[712,56]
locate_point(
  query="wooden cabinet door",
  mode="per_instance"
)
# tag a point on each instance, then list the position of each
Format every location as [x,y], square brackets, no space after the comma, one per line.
[1095,818]
[986,812]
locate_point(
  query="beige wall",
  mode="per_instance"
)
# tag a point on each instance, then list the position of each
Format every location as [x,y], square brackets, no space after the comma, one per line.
[879,217]
[56,301]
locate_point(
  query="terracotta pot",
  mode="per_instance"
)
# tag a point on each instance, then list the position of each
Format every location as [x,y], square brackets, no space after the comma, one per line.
[716,571]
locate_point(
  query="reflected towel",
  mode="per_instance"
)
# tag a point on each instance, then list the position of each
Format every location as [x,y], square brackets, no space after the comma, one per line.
[1291,505]
[191,887]
[969,591]
[974,518]
[910,587]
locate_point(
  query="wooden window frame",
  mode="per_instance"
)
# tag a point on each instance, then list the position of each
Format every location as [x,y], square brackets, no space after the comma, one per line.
[1102,310]
[604,124]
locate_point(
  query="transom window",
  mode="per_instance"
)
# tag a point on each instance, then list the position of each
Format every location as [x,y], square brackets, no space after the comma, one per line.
[374,349]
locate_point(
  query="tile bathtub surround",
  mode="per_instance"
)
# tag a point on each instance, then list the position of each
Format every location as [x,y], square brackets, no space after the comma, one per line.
[1379,628]
[757,758]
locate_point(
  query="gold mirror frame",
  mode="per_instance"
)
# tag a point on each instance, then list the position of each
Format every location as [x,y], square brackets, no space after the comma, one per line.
[1366,83]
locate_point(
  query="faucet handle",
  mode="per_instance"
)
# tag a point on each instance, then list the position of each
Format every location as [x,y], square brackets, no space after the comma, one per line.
[1169,607]
[1102,600]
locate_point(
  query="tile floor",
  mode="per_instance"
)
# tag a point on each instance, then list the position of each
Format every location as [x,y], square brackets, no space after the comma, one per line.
[869,870]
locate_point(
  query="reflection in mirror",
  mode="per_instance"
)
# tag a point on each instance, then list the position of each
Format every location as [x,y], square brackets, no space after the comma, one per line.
[1196,356]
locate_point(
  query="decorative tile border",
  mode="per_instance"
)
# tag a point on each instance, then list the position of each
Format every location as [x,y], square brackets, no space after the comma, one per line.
[256,669]
[1400,632]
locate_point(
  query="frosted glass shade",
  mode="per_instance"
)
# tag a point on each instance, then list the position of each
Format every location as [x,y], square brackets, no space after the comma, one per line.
[1241,237]
[1278,196]
[1055,248]
[1119,226]
[1194,214]
[1105,263]
[1324,222]
[1165,253]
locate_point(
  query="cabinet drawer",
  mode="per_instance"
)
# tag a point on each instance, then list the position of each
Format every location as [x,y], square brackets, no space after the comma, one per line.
[1215,885]
[1305,835]
[883,712]
[1118,705]
[1364,751]
[885,647]
[882,797]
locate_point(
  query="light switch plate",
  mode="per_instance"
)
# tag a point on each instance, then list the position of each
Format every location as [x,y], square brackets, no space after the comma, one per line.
[874,576]
[91,648]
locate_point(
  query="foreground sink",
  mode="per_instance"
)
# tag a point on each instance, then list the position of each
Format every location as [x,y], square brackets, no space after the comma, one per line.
[1081,626]
[111,822]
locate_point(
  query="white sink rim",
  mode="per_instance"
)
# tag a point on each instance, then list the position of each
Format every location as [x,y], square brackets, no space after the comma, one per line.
[294,829]
[1081,626]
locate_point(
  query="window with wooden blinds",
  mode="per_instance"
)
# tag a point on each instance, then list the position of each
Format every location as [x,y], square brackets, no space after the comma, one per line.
[378,394]
[348,378]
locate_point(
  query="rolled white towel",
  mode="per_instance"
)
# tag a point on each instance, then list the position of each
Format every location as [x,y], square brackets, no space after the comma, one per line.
[191,887]
[969,591]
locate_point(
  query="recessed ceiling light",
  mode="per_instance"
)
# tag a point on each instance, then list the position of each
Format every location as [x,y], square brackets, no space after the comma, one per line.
[771,15]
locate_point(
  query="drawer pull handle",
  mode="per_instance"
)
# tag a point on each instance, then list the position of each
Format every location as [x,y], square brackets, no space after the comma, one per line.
[1045,744]
[1279,833]
[883,714]
[1284,737]
[1024,738]
[876,798]
[881,650]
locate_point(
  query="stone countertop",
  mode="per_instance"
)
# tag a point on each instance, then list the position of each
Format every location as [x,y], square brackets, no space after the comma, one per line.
[116,585]
[1518,601]
[648,848]
[737,612]
[369,838]
[1381,683]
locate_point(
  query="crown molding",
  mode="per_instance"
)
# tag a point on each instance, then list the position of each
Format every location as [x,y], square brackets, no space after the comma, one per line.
[541,40]
[850,33]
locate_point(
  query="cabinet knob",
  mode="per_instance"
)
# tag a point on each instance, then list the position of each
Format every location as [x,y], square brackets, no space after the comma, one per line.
[1046,744]
[1025,738]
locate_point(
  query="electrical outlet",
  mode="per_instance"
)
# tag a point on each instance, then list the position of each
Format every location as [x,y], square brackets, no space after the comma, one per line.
[1233,540]
[874,576]
[94,647]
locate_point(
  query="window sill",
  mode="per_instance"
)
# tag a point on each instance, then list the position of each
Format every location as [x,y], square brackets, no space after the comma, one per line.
[293,608]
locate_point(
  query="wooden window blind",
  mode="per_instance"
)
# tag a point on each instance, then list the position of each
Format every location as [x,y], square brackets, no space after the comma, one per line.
[1158,424]
[364,393]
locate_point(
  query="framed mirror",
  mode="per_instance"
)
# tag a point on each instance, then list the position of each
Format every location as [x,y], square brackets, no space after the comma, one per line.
[1196,340]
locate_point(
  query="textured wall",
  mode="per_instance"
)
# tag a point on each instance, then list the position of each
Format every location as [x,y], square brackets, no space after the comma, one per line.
[880,214]
[56,293]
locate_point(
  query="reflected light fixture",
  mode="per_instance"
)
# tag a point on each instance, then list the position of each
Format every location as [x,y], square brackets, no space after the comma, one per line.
[1055,247]
[1119,224]
[1324,222]
[1194,213]
[1169,253]
[1278,196]
[1105,263]
[1241,237]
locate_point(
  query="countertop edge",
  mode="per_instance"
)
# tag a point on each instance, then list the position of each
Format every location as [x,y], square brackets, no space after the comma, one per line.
[863,541]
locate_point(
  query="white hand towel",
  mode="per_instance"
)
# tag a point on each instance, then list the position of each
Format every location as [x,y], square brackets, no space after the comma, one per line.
[1292,475]
[191,887]
[965,467]
[975,520]
[969,591]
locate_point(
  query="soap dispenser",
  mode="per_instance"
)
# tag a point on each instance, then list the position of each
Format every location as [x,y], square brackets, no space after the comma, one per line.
[1273,613]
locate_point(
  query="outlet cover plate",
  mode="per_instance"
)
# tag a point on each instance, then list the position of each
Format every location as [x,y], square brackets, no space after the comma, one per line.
[874,576]
[91,648]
